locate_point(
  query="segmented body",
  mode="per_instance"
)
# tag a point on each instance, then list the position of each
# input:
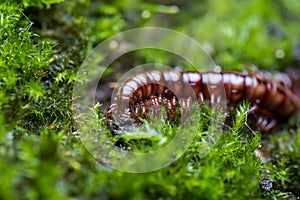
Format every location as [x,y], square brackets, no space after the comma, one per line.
[272,102]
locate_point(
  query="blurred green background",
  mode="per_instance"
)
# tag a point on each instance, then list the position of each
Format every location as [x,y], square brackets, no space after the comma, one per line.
[44,42]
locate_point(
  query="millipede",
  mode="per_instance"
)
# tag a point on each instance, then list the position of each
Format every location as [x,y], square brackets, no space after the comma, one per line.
[272,101]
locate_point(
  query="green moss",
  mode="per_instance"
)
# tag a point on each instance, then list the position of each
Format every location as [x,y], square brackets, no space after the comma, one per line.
[42,45]
[23,64]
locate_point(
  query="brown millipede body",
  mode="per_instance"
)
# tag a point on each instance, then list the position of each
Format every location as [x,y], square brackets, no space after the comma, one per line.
[272,101]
